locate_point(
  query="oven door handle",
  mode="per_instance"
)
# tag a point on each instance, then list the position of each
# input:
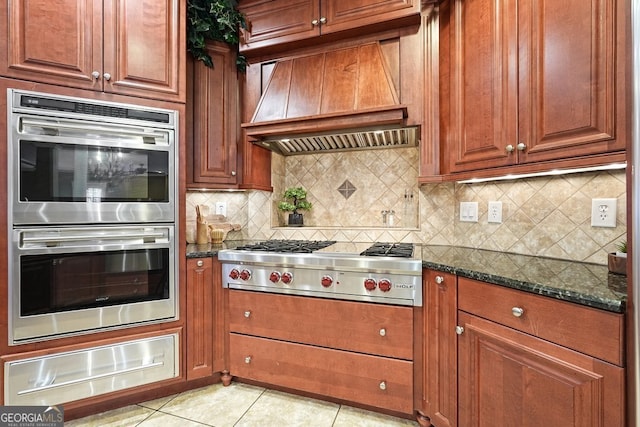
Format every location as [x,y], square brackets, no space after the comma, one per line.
[61,124]
[90,237]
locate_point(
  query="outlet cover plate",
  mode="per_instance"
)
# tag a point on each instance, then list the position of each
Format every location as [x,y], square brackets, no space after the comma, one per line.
[494,214]
[469,211]
[221,208]
[603,212]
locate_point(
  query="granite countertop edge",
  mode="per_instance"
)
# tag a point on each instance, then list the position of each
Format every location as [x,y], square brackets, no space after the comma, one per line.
[582,283]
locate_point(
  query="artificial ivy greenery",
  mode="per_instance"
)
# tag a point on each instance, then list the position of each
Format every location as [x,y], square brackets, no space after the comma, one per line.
[214,20]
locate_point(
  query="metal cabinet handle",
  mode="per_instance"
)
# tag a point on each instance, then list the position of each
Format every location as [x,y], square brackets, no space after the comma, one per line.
[233,173]
[200,263]
[107,76]
[459,330]
[247,314]
[521,146]
[323,20]
[383,332]
[314,22]
[509,148]
[247,359]
[95,75]
[439,280]
[383,385]
[517,311]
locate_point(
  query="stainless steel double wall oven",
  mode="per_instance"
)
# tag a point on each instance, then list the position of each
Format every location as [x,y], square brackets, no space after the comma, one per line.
[92,190]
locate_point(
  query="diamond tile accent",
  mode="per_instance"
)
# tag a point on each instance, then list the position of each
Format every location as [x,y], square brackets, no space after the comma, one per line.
[346,189]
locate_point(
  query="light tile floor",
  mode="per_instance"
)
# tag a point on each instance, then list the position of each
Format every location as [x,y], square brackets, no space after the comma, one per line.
[238,405]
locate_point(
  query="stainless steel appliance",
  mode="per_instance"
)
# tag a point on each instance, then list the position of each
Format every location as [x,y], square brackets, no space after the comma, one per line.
[92,190]
[383,272]
[79,161]
[70,280]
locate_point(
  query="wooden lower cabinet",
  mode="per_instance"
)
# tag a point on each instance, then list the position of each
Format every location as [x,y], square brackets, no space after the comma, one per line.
[205,318]
[508,378]
[370,380]
[353,351]
[525,359]
[439,383]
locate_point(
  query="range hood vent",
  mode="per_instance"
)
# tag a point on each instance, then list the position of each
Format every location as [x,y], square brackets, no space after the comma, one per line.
[338,100]
[348,141]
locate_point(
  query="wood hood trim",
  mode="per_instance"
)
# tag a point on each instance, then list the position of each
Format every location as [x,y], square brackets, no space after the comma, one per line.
[334,91]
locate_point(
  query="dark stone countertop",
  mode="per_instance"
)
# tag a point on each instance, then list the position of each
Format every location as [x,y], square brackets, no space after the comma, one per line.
[582,283]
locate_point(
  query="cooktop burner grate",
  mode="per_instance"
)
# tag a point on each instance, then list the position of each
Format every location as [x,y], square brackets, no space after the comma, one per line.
[401,250]
[288,246]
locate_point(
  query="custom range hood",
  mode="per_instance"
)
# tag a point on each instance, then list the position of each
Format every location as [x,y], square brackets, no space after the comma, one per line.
[339,100]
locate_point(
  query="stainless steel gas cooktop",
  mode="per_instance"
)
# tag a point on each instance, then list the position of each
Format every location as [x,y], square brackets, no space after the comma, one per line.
[380,272]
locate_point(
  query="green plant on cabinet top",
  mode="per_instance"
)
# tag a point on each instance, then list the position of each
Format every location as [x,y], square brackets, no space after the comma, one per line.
[214,20]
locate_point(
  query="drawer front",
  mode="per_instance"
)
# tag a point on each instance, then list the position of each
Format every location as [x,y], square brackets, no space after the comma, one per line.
[64,377]
[587,330]
[369,380]
[355,326]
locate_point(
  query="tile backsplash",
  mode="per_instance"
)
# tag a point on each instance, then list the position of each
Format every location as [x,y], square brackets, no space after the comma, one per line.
[548,216]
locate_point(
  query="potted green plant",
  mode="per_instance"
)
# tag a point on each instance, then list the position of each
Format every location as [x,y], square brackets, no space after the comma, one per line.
[617,261]
[214,20]
[295,199]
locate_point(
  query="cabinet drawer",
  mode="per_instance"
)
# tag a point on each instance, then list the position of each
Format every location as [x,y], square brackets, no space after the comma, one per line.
[369,380]
[588,330]
[355,326]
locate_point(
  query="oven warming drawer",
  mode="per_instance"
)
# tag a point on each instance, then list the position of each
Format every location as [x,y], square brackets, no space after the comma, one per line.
[65,377]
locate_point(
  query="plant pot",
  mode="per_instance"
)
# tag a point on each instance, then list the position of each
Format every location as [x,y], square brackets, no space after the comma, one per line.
[295,220]
[617,264]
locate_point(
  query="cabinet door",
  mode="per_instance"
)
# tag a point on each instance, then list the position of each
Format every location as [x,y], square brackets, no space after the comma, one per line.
[215,120]
[199,318]
[272,22]
[52,41]
[347,14]
[571,71]
[440,348]
[507,378]
[480,60]
[144,53]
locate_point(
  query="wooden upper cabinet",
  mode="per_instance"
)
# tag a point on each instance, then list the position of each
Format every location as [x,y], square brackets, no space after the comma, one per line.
[526,82]
[275,24]
[128,47]
[271,22]
[213,108]
[144,48]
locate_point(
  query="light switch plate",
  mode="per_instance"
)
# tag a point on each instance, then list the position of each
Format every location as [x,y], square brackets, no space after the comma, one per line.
[469,211]
[603,212]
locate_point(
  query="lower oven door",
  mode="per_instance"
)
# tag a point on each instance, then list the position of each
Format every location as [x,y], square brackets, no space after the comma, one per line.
[75,280]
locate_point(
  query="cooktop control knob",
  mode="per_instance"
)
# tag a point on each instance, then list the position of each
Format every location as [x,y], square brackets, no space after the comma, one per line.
[384,285]
[287,278]
[234,274]
[326,281]
[245,274]
[274,277]
[370,284]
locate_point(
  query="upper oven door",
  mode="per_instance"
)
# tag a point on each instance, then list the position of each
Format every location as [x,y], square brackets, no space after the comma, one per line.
[70,171]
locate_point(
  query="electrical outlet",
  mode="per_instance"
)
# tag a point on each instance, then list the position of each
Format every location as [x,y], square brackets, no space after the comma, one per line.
[494,215]
[469,211]
[221,208]
[603,212]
